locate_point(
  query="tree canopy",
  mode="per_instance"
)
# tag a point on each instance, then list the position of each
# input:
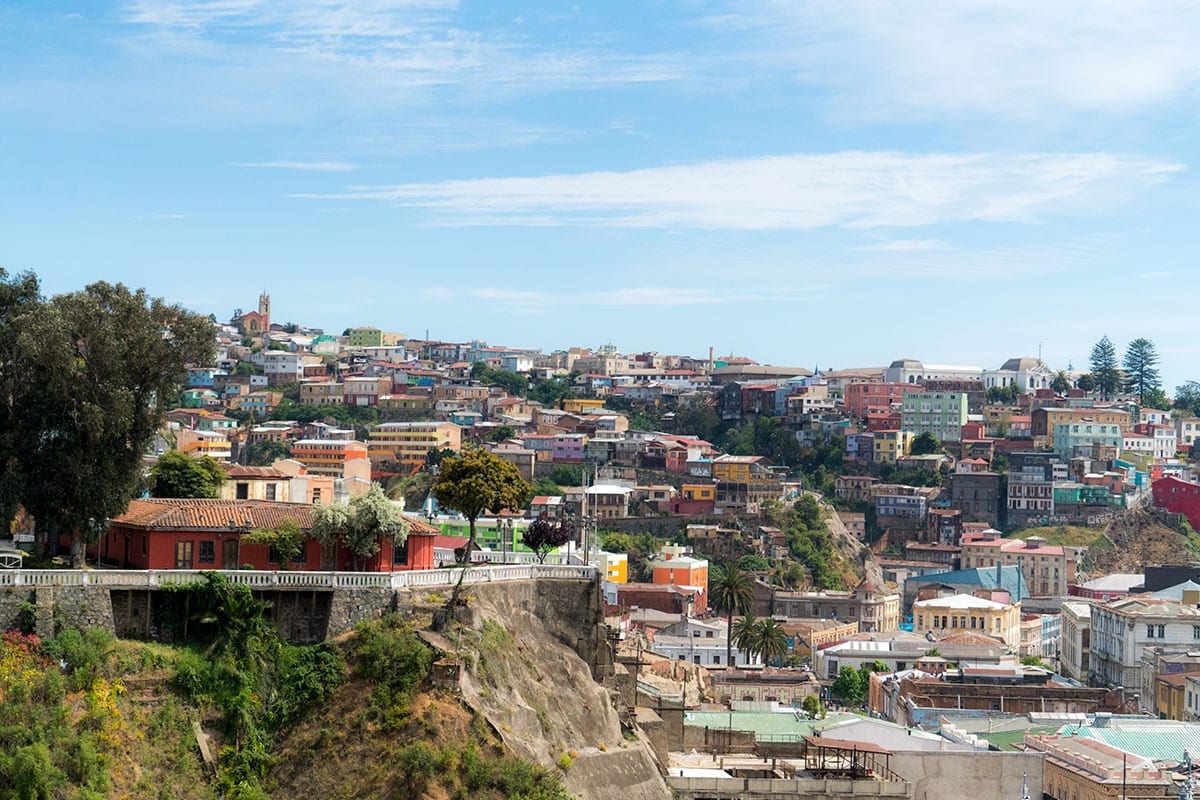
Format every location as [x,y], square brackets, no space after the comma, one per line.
[848,686]
[285,541]
[88,375]
[1141,369]
[177,474]
[1105,371]
[544,535]
[731,591]
[478,481]
[925,445]
[360,526]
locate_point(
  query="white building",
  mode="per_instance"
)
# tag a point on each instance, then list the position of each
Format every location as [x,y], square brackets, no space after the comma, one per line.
[700,642]
[1028,374]
[912,371]
[1075,650]
[1122,629]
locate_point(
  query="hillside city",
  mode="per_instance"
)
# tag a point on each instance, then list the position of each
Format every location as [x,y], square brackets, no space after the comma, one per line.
[887,569]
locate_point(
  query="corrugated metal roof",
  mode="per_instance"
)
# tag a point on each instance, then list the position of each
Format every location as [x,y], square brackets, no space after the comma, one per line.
[1158,740]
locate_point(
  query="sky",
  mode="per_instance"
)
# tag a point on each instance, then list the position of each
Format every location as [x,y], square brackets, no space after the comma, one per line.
[805,183]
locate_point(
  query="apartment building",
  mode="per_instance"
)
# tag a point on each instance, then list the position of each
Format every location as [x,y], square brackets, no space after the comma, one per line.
[1047,568]
[406,444]
[327,456]
[941,414]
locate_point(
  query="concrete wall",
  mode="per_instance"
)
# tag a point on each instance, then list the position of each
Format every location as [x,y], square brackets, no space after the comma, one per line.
[939,776]
[77,607]
[778,789]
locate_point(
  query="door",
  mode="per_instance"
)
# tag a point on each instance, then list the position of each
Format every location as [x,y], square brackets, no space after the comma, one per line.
[229,554]
[183,554]
[328,558]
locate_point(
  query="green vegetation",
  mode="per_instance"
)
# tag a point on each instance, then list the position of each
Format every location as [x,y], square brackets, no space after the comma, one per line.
[731,592]
[360,526]
[1141,372]
[1067,535]
[811,544]
[848,686]
[176,474]
[1105,373]
[479,481]
[84,382]
[286,541]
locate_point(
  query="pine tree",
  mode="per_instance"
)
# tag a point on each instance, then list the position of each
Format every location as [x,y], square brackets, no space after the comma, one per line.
[1105,371]
[1141,368]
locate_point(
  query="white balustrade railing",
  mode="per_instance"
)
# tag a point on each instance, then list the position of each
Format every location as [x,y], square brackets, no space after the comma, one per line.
[262,579]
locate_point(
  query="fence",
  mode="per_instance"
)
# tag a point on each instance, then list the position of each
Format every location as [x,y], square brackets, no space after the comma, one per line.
[255,579]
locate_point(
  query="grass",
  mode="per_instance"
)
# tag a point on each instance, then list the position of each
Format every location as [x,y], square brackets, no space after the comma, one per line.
[1068,535]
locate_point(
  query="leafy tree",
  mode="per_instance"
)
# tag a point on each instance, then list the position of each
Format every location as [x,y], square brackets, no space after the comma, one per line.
[544,487]
[18,295]
[1187,396]
[699,418]
[770,640]
[1104,368]
[479,481]
[812,706]
[1004,394]
[551,392]
[1141,368]
[568,474]
[544,535]
[286,540]
[265,453]
[731,592]
[177,474]
[1086,382]
[753,563]
[848,686]
[926,444]
[1155,398]
[1034,661]
[1061,383]
[360,526]
[500,433]
[92,373]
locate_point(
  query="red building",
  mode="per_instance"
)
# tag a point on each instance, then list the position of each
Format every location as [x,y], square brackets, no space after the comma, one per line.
[861,399]
[1178,497]
[207,534]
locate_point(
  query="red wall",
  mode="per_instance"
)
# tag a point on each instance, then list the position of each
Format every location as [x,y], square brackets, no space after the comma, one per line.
[1178,497]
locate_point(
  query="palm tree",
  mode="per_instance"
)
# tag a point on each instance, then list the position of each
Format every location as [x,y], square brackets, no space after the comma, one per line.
[732,592]
[744,634]
[770,640]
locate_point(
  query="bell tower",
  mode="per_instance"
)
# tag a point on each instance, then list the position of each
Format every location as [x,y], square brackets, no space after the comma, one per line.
[264,309]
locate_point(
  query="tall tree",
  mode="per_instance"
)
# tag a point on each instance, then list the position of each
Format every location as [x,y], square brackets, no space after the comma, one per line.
[479,481]
[18,295]
[731,592]
[93,372]
[1061,382]
[770,640]
[177,474]
[743,633]
[1141,368]
[1104,367]
[1187,396]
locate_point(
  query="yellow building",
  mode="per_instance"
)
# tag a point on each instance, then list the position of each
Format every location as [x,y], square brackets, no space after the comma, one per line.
[740,469]
[614,565]
[1042,421]
[407,443]
[415,403]
[890,445]
[204,443]
[579,405]
[1170,702]
[965,612]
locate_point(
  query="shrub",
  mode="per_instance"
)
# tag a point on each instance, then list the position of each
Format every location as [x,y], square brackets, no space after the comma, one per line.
[27,616]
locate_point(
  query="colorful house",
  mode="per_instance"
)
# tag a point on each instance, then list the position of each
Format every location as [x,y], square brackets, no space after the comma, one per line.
[683,571]
[163,533]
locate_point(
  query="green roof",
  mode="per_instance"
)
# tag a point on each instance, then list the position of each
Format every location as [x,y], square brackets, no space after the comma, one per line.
[1158,740]
[762,723]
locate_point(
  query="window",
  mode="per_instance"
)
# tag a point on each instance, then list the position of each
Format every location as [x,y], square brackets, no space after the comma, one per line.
[243,491]
[208,552]
[1149,631]
[270,491]
[1161,631]
[183,554]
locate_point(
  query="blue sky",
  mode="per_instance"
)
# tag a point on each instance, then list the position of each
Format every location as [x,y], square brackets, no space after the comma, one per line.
[835,183]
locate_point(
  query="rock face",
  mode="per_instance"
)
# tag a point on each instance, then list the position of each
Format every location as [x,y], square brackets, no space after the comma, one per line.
[853,551]
[530,651]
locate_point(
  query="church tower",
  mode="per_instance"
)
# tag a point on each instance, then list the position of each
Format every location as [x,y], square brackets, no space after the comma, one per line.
[264,310]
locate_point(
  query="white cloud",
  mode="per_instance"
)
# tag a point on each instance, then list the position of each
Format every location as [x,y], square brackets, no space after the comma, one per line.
[310,166]
[801,192]
[1026,58]
[623,296]
[906,245]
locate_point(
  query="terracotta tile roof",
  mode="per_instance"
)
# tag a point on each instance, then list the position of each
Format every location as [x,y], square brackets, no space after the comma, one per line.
[238,471]
[170,514]
[223,515]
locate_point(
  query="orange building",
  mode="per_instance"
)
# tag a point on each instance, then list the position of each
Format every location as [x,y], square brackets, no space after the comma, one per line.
[681,571]
[328,456]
